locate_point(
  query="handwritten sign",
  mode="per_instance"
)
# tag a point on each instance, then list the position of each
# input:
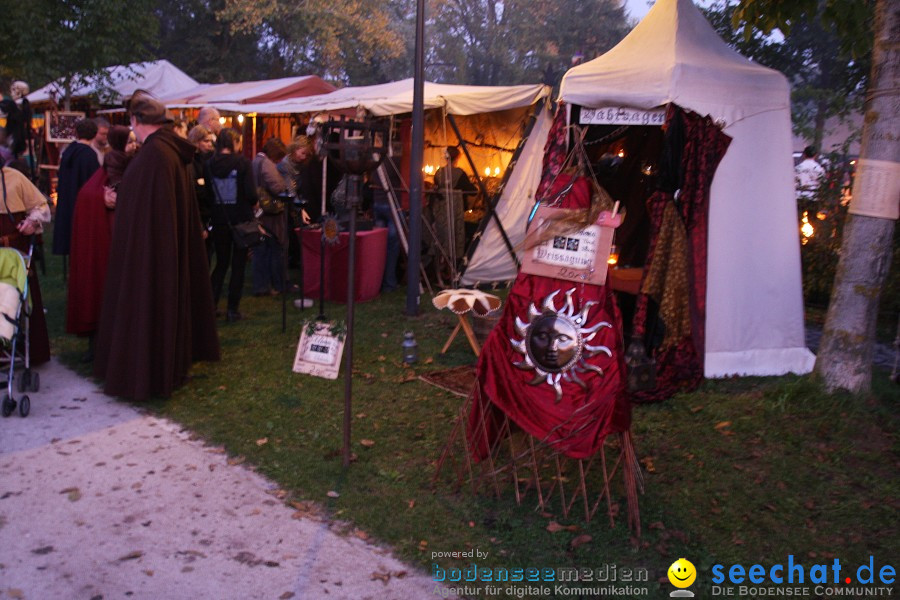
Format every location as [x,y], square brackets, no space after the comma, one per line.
[876,189]
[319,352]
[622,115]
[577,256]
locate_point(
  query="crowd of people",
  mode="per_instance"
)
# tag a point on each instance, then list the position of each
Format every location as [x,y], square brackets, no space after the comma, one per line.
[146,222]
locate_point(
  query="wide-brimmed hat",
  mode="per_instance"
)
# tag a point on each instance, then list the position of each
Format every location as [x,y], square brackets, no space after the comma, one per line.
[149,110]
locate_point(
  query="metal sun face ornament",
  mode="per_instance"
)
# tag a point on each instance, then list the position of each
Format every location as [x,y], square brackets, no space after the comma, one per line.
[554,342]
[330,230]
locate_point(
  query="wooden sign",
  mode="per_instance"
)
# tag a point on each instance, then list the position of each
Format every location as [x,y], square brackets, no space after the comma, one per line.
[578,256]
[319,350]
[622,115]
[61,126]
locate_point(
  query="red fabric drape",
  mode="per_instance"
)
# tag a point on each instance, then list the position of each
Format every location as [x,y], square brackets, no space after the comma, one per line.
[92,225]
[576,425]
[680,367]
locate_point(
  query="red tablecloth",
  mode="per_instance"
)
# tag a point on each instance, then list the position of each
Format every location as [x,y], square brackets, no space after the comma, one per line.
[371,247]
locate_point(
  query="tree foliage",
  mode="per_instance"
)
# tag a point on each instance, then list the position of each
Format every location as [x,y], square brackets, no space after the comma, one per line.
[194,38]
[48,39]
[351,41]
[491,42]
[827,80]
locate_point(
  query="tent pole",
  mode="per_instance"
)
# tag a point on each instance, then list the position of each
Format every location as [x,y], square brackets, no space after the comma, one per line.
[415,169]
[483,189]
[492,203]
[394,203]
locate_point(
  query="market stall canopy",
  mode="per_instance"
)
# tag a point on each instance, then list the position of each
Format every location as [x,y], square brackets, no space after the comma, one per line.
[247,92]
[397,98]
[159,77]
[754,301]
[674,55]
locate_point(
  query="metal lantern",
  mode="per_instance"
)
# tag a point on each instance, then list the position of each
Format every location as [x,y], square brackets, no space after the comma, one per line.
[355,147]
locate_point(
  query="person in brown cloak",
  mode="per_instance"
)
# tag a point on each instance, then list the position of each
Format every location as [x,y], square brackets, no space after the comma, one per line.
[158,315]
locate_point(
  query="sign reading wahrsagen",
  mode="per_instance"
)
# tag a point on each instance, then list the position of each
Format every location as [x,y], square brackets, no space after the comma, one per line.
[622,115]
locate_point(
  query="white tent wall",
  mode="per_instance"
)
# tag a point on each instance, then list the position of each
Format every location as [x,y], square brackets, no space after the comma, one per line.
[754,308]
[491,260]
[754,301]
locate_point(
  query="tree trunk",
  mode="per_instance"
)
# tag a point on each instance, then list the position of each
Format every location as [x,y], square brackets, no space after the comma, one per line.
[845,354]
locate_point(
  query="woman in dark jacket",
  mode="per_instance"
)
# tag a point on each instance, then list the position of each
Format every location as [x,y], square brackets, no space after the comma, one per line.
[234,201]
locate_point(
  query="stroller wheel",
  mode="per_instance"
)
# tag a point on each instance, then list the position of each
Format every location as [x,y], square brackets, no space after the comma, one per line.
[35,382]
[8,406]
[24,380]
[24,406]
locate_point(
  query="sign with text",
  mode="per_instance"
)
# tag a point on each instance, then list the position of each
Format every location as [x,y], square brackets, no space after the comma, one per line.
[319,351]
[576,256]
[622,115]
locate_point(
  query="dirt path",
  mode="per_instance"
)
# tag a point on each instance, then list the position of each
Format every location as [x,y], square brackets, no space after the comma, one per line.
[100,501]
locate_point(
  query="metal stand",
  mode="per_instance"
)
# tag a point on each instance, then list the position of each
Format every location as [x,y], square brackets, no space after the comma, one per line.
[354,182]
[356,147]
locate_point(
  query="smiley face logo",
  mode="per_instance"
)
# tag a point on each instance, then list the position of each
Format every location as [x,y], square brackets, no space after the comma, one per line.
[682,573]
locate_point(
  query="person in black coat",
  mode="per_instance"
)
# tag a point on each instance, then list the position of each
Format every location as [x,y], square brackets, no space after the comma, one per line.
[76,165]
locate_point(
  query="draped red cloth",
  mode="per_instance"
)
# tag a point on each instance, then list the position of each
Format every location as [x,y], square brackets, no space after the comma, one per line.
[680,367]
[92,226]
[577,424]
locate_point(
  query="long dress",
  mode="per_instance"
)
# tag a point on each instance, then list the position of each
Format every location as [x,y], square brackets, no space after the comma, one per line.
[158,315]
[92,225]
[76,165]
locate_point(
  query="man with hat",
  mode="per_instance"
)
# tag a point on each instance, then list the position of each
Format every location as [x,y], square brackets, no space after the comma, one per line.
[158,315]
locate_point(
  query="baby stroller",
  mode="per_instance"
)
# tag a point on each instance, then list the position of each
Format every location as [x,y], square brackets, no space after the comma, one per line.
[15,310]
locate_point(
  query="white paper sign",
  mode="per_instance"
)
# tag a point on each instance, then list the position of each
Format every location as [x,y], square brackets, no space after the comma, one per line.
[319,352]
[622,115]
[876,189]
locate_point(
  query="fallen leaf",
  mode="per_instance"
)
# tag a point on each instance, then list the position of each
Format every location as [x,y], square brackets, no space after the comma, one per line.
[723,424]
[15,593]
[148,572]
[361,415]
[429,360]
[657,525]
[262,441]
[399,574]
[411,503]
[236,460]
[367,443]
[553,527]
[42,550]
[384,577]
[286,596]
[333,494]
[131,555]
[361,534]
[696,409]
[580,540]
[647,461]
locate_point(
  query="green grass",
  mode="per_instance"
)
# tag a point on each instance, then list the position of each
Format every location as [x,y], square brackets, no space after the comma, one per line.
[795,471]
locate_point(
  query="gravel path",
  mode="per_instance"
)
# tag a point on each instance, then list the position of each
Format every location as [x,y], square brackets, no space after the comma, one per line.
[99,501]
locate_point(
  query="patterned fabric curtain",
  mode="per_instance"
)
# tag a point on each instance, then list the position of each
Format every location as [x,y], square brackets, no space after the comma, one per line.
[675,271]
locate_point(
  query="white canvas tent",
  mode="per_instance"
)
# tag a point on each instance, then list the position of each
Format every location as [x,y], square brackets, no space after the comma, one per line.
[158,77]
[754,314]
[490,259]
